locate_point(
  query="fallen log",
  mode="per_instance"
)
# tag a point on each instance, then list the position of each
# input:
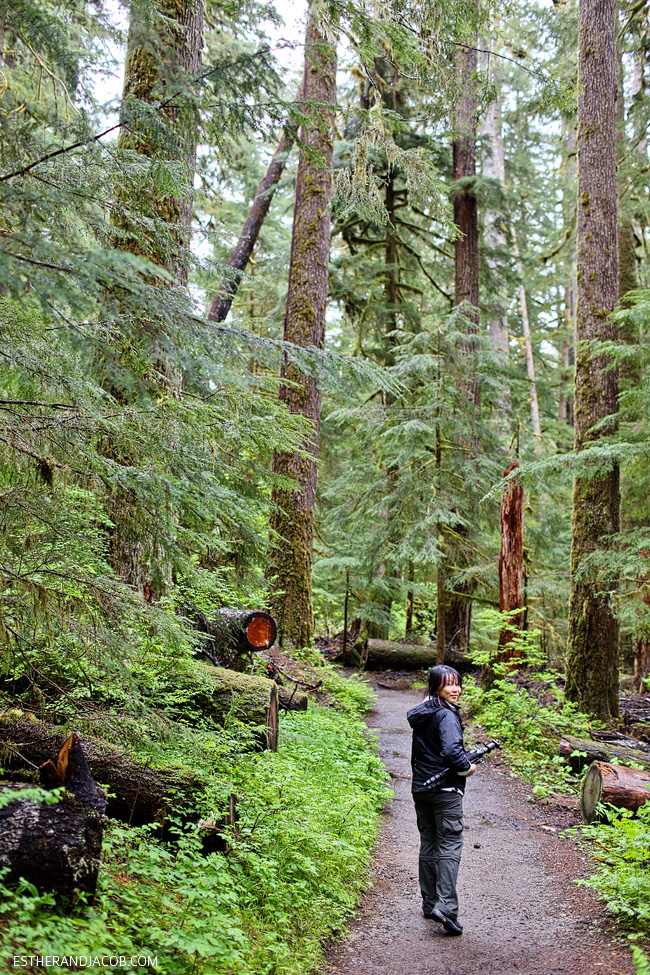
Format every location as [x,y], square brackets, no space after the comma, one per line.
[599,751]
[291,699]
[55,847]
[390,655]
[625,788]
[234,633]
[223,694]
[138,793]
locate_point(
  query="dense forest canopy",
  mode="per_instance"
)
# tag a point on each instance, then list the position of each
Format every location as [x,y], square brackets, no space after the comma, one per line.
[341,318]
[143,434]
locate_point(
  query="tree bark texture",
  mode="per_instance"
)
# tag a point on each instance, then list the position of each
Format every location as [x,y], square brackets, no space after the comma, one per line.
[163,55]
[138,792]
[593,647]
[466,255]
[55,847]
[631,373]
[511,559]
[625,788]
[292,519]
[458,608]
[528,344]
[567,357]
[493,167]
[251,230]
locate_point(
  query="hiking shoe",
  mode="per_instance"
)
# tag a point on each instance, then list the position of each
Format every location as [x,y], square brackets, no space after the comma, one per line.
[450,924]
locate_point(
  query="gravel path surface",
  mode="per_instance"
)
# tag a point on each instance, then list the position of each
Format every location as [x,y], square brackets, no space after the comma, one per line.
[521,911]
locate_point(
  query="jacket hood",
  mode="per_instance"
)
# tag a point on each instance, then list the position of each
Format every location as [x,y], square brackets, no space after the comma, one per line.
[421,714]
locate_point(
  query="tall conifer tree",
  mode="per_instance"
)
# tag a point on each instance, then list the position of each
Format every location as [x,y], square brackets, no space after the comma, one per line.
[592,661]
[292,518]
[455,610]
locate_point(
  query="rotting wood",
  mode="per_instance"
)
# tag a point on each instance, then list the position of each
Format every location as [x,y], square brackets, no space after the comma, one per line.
[55,847]
[599,751]
[138,793]
[223,695]
[625,788]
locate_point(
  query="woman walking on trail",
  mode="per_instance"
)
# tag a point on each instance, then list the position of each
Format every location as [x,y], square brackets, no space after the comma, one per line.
[438,747]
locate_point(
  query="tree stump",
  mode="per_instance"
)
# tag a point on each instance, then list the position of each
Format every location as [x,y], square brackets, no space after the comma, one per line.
[625,788]
[55,847]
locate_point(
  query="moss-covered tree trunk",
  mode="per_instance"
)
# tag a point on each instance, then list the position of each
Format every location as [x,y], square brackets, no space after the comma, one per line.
[627,270]
[458,609]
[292,519]
[158,122]
[592,657]
[567,357]
[494,242]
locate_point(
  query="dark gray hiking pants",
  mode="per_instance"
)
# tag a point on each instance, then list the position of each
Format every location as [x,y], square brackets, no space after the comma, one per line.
[440,822]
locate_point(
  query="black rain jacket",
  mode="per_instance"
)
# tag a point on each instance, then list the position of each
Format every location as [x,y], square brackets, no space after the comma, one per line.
[437,744]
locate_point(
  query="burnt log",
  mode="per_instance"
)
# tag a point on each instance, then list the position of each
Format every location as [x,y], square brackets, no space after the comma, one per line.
[233,634]
[56,846]
[624,788]
[390,655]
[138,793]
[599,751]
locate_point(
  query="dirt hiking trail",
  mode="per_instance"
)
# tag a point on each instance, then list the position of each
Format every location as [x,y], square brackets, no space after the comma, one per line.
[520,909]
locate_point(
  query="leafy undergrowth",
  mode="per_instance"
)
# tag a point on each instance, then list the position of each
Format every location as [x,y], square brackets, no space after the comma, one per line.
[621,848]
[526,711]
[296,862]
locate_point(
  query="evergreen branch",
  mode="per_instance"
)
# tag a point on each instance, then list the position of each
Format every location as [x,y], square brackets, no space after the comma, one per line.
[30,260]
[59,152]
[29,402]
[470,47]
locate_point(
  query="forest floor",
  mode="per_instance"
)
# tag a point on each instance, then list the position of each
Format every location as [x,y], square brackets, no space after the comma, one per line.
[519,905]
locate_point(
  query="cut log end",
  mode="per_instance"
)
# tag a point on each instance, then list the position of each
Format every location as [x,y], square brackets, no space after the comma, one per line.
[615,785]
[261,631]
[273,722]
[592,790]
